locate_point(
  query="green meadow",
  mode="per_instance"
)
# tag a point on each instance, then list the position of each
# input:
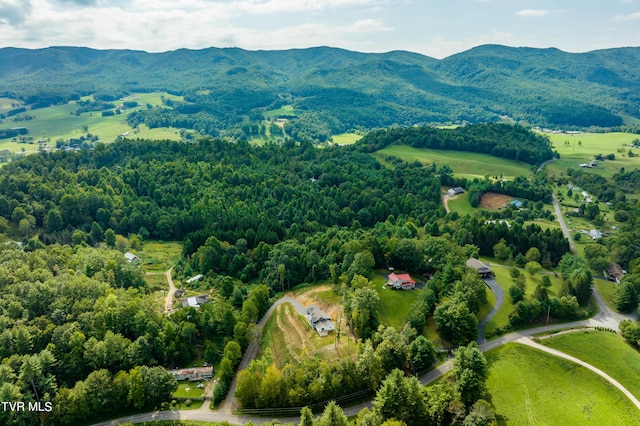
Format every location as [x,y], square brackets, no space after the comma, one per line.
[346,138]
[596,348]
[284,110]
[61,122]
[394,304]
[460,204]
[531,387]
[463,164]
[583,147]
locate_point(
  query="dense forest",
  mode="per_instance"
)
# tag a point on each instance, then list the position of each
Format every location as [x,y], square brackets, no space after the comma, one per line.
[350,90]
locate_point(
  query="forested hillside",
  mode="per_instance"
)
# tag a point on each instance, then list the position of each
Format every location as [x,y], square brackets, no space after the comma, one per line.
[349,90]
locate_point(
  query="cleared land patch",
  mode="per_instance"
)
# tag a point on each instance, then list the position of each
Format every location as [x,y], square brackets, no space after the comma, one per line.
[288,337]
[493,201]
[597,348]
[530,387]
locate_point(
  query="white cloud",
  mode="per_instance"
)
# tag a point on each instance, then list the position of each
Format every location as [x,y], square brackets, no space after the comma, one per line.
[630,17]
[533,12]
[14,12]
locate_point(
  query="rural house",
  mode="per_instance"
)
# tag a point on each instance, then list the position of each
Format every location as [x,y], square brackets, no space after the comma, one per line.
[455,190]
[401,281]
[195,301]
[131,257]
[615,272]
[483,270]
[192,374]
[319,320]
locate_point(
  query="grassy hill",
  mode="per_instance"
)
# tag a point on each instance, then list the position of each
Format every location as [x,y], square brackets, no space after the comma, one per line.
[349,89]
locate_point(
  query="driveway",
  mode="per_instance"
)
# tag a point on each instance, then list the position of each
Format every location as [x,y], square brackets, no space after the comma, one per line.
[499,293]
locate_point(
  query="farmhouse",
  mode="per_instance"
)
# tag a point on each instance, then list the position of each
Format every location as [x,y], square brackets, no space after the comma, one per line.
[193,374]
[131,257]
[401,281]
[595,234]
[483,270]
[319,320]
[517,204]
[195,301]
[455,191]
[615,272]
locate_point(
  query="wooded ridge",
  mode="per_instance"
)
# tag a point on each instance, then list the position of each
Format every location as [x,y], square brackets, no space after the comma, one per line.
[349,90]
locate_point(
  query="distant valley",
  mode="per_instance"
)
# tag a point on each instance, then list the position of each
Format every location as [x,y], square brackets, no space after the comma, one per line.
[329,91]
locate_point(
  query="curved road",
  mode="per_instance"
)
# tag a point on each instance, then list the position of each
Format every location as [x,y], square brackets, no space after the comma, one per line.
[604,318]
[499,293]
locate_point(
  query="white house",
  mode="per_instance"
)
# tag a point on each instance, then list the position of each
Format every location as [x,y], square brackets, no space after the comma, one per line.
[131,257]
[319,320]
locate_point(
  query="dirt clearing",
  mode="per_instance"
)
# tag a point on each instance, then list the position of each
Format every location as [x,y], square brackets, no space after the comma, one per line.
[493,201]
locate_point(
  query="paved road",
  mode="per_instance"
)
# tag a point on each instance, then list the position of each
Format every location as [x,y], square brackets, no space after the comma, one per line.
[563,226]
[545,163]
[499,293]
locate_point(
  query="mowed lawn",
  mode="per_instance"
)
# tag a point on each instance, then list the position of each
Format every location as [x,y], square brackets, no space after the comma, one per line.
[465,164]
[584,147]
[598,348]
[460,204]
[394,304]
[531,387]
[346,138]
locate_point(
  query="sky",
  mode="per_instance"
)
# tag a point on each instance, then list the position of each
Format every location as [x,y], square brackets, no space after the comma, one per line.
[433,28]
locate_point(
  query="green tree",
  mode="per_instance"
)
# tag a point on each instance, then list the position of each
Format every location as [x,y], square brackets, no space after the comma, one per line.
[110,238]
[532,255]
[501,250]
[97,234]
[455,322]
[470,371]
[400,398]
[332,416]
[533,267]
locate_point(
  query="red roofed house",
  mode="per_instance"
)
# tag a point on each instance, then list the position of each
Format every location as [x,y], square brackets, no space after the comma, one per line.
[401,281]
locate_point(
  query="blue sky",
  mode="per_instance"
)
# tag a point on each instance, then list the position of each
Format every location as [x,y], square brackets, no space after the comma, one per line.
[433,28]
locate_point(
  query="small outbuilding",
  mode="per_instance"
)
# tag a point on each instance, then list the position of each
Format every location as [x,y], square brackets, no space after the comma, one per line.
[131,257]
[483,270]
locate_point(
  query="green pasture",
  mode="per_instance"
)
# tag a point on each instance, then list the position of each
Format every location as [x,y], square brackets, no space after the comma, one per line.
[467,164]
[7,104]
[284,110]
[531,387]
[159,255]
[60,122]
[584,147]
[596,348]
[346,138]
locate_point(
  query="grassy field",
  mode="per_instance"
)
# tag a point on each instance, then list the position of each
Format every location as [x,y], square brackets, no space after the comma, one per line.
[159,256]
[466,164]
[460,204]
[596,348]
[284,110]
[61,122]
[530,387]
[346,138]
[583,147]
[608,291]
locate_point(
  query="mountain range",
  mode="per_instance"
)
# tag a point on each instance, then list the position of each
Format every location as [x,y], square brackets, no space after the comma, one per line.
[350,89]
